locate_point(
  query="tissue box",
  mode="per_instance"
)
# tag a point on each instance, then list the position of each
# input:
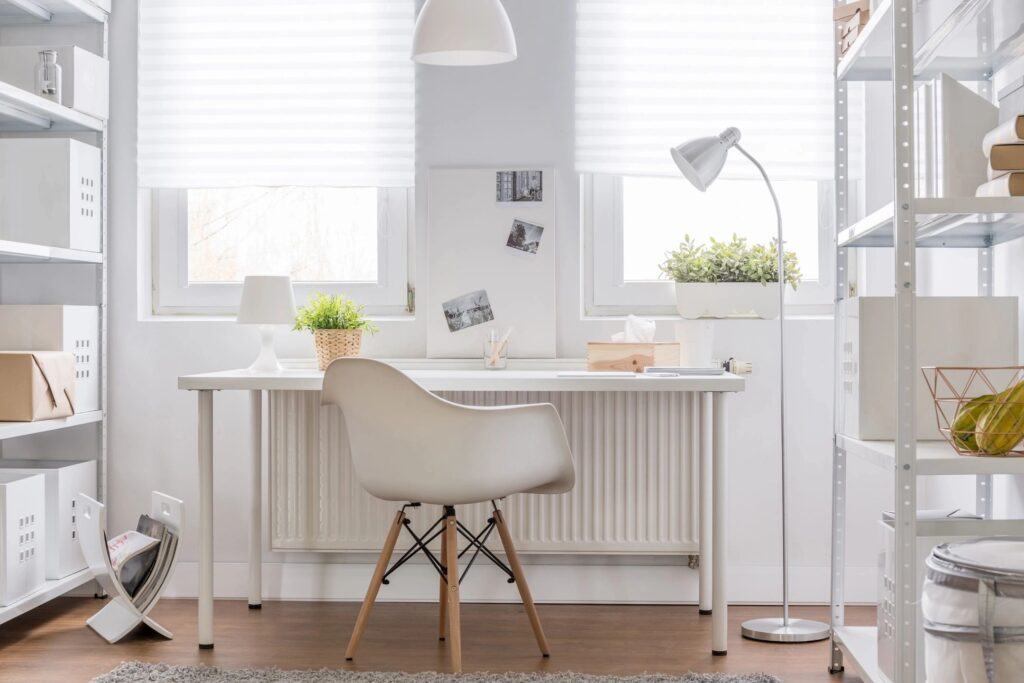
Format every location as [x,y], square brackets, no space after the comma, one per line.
[37,385]
[55,327]
[631,356]
[85,77]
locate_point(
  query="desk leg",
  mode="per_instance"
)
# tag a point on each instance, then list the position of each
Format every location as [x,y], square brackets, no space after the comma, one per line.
[256,500]
[719,607]
[205,519]
[704,429]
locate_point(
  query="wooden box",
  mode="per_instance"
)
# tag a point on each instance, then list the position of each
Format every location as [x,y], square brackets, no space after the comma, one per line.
[631,356]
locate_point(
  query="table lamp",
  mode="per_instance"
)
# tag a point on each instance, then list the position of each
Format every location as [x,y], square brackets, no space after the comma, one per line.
[267,301]
[700,161]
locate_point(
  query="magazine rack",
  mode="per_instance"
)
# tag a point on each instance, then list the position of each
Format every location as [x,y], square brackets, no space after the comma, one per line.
[120,616]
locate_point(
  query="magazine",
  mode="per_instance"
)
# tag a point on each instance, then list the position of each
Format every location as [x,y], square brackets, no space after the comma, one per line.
[131,555]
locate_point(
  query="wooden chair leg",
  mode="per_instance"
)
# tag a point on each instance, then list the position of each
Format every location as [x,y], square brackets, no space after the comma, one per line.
[375,582]
[452,563]
[442,622]
[524,589]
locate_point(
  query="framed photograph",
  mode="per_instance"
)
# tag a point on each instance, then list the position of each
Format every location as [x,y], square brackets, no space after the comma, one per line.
[524,236]
[520,186]
[467,310]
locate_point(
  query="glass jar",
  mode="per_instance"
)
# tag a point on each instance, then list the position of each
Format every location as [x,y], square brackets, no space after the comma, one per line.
[48,76]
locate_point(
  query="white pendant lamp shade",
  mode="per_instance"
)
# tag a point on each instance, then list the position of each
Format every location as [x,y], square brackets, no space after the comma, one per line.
[702,159]
[463,33]
[267,300]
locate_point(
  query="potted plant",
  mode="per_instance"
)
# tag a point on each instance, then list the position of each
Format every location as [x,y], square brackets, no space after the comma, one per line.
[726,279]
[337,324]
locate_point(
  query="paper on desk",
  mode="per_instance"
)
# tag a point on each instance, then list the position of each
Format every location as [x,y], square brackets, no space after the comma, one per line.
[636,330]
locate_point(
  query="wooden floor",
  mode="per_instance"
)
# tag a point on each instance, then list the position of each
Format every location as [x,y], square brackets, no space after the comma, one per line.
[52,643]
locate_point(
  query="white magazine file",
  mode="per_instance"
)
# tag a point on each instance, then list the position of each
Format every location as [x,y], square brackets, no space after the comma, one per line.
[120,616]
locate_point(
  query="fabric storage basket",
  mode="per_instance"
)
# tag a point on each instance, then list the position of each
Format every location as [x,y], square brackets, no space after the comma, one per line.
[22,535]
[973,608]
[334,344]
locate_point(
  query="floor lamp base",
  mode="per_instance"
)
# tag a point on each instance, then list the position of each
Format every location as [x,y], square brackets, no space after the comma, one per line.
[774,630]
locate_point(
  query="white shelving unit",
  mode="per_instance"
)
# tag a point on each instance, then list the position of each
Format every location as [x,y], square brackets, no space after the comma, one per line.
[23,112]
[905,41]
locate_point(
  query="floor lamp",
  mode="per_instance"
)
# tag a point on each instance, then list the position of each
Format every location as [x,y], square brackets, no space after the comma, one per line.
[701,160]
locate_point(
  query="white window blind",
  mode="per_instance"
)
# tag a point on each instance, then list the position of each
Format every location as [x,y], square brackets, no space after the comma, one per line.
[236,93]
[653,73]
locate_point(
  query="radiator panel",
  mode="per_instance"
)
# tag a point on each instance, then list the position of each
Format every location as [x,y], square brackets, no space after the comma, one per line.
[636,487]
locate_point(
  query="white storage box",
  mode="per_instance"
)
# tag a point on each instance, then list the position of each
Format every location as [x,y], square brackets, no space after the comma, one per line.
[886,613]
[65,479]
[74,329]
[973,607]
[23,527]
[951,331]
[50,192]
[85,76]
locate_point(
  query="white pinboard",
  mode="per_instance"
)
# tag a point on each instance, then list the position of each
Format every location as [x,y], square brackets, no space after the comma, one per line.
[467,234]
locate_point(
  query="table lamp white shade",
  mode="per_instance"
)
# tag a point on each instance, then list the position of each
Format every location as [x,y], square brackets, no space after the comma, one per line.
[463,33]
[267,301]
[701,160]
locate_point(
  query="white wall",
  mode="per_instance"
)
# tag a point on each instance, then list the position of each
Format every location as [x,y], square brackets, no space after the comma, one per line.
[517,114]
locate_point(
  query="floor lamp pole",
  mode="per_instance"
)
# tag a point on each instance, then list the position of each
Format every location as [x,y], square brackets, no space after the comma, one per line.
[772,629]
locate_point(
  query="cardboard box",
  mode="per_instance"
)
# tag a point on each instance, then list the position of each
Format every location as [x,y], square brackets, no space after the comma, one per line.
[50,192]
[85,77]
[65,479]
[74,329]
[631,356]
[37,385]
[22,535]
[848,9]
[951,331]
[856,22]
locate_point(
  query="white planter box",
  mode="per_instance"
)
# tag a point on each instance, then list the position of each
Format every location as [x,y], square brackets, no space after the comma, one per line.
[74,329]
[22,535]
[950,331]
[50,192]
[85,77]
[727,299]
[65,479]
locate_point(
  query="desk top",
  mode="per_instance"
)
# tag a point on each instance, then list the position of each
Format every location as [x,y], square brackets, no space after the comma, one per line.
[454,378]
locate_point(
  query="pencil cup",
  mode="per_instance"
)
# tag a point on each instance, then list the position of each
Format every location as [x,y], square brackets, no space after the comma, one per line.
[495,354]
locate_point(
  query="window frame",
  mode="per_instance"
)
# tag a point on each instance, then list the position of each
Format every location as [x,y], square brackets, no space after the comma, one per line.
[607,293]
[172,294]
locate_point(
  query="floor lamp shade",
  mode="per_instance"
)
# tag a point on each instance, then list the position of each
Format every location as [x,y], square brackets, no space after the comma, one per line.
[267,300]
[463,33]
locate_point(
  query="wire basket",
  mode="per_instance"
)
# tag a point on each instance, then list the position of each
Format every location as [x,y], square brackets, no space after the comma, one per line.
[978,411]
[334,344]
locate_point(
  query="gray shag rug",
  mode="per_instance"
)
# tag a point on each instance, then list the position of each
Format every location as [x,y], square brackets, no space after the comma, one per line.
[139,672]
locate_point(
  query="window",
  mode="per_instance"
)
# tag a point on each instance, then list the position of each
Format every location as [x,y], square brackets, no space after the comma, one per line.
[279,140]
[351,241]
[649,75]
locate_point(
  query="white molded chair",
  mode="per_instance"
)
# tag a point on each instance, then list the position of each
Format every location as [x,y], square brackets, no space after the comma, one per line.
[411,446]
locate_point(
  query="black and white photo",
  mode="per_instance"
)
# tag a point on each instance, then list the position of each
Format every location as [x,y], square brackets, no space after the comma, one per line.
[524,236]
[467,310]
[520,186]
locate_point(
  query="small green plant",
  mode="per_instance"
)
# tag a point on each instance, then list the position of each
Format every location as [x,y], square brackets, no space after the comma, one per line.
[732,261]
[324,312]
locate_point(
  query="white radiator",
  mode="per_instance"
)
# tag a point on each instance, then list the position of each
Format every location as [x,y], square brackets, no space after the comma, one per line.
[637,477]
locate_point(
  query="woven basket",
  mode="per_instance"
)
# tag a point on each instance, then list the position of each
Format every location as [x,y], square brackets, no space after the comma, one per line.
[333,344]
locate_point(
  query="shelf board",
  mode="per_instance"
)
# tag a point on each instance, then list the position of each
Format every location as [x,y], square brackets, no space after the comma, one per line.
[946,41]
[23,252]
[11,430]
[860,643]
[53,588]
[970,222]
[21,110]
[933,457]
[51,11]
[970,527]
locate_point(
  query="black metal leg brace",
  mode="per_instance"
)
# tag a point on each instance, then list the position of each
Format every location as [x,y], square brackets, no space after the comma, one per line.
[477,542]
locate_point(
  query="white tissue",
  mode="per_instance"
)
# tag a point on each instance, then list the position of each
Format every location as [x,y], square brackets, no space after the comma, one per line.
[636,330]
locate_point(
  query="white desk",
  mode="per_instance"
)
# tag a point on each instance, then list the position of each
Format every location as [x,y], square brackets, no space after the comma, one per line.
[714,390]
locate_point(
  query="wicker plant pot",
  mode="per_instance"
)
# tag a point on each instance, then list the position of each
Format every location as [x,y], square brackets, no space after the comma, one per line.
[333,344]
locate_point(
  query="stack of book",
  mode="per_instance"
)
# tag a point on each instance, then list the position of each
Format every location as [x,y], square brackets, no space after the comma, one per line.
[1004,147]
[850,18]
[141,559]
